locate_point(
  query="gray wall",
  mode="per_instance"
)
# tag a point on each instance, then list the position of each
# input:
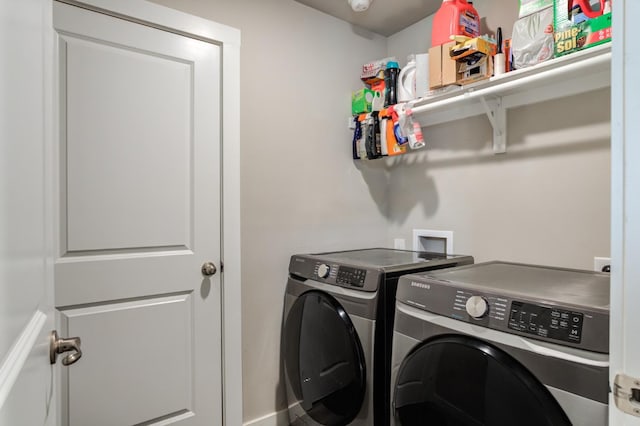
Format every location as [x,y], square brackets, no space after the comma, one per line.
[545,201]
[300,189]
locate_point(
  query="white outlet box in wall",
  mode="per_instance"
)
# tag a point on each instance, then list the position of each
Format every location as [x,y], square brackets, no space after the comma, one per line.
[433,240]
[600,262]
[399,244]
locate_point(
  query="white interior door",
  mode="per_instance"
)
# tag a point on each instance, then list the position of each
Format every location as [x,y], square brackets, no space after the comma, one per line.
[625,200]
[139,214]
[26,308]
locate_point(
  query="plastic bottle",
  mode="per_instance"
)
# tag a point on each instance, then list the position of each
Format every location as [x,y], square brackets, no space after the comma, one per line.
[391,83]
[407,81]
[455,17]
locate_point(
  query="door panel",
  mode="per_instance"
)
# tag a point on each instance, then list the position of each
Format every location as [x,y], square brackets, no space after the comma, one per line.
[111,168]
[159,363]
[139,213]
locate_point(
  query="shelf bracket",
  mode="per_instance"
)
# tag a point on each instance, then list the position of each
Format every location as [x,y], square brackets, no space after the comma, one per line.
[497,115]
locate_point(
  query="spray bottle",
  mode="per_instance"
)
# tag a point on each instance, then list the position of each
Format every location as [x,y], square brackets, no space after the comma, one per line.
[410,128]
[397,131]
[357,134]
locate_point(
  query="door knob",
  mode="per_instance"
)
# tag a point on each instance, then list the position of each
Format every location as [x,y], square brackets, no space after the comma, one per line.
[59,346]
[208,269]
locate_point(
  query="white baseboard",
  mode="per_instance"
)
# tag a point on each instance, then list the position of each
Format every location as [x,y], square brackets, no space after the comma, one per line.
[279,418]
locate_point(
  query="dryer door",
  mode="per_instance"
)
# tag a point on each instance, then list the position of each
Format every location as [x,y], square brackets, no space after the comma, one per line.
[455,380]
[324,361]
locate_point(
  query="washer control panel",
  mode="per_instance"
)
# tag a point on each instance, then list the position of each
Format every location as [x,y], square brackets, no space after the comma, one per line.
[557,324]
[562,324]
[477,306]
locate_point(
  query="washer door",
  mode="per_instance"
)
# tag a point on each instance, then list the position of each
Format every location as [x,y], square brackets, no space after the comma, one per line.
[455,380]
[324,360]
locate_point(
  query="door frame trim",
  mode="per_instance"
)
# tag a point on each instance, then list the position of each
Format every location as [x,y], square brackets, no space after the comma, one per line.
[16,357]
[228,39]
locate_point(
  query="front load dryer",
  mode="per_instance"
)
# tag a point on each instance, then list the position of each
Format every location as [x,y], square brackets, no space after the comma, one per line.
[501,344]
[337,328]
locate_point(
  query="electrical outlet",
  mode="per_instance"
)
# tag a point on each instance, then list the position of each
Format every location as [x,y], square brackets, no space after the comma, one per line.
[399,243]
[433,241]
[601,262]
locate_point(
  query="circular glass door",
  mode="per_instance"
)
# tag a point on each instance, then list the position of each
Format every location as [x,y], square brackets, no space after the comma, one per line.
[456,380]
[324,360]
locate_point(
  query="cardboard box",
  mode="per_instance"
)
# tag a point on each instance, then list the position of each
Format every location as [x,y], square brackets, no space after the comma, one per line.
[473,60]
[373,72]
[470,72]
[575,31]
[472,49]
[442,69]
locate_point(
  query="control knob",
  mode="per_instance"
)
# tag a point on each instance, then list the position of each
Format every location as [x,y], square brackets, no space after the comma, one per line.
[477,306]
[323,270]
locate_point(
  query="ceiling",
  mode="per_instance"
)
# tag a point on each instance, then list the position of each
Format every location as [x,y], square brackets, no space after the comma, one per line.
[385,17]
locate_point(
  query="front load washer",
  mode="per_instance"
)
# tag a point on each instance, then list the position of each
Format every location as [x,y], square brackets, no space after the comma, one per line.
[501,344]
[337,327]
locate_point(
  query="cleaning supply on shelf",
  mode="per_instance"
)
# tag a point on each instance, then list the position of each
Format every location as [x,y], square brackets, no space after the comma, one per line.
[508,59]
[361,101]
[370,144]
[455,17]
[355,142]
[361,142]
[532,39]
[373,72]
[384,148]
[376,134]
[407,80]
[394,111]
[391,83]
[393,147]
[581,10]
[410,129]
[377,106]
[422,75]
[580,24]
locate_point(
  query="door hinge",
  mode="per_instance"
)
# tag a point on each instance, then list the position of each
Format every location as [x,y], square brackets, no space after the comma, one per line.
[626,394]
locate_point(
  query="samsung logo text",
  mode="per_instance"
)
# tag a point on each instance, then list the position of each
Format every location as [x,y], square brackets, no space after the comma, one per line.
[421,285]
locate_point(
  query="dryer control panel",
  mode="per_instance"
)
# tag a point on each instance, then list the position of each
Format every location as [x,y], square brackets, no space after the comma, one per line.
[351,276]
[362,279]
